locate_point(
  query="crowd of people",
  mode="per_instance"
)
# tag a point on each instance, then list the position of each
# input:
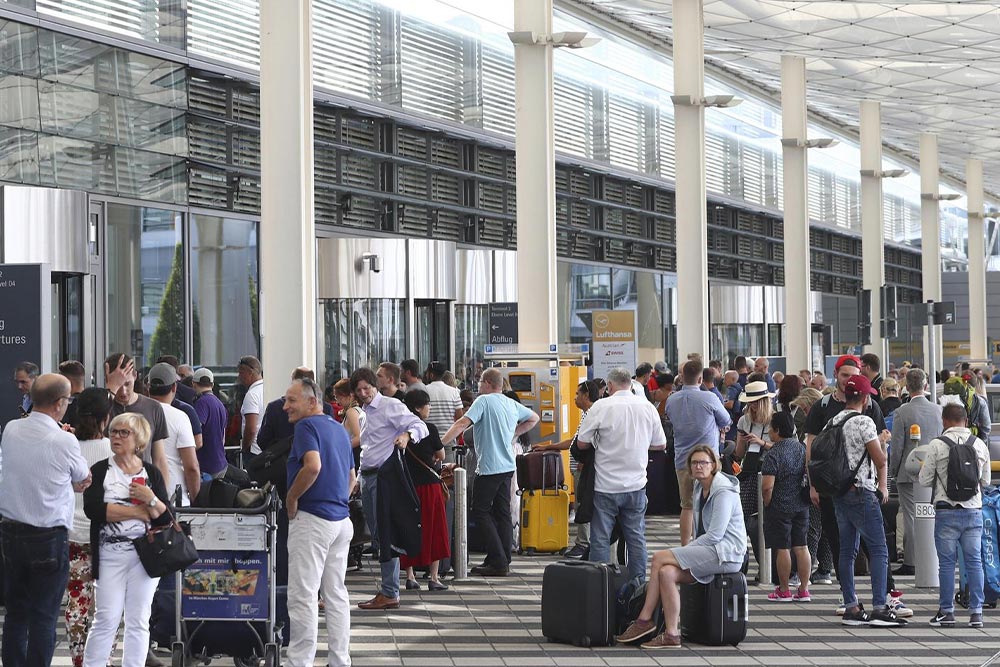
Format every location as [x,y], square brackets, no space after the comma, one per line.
[87,470]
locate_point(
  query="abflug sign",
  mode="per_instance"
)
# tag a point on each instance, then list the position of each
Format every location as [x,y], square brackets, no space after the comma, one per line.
[24,321]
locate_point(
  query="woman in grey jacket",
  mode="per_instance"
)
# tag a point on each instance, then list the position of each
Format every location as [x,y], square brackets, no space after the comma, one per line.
[719,547]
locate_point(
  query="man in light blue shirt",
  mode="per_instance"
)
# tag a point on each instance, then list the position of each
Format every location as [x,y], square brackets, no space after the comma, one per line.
[496,421]
[699,419]
[388,424]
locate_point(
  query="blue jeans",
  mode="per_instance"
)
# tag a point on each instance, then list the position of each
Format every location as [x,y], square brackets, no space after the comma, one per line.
[951,528]
[860,515]
[629,511]
[369,503]
[36,571]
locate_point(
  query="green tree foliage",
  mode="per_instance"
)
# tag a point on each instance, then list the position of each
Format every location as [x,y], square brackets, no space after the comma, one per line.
[168,338]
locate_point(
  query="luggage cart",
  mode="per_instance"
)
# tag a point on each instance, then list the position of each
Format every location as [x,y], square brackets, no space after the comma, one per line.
[232,587]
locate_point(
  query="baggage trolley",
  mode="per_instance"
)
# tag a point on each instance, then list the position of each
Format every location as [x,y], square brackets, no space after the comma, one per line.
[233,585]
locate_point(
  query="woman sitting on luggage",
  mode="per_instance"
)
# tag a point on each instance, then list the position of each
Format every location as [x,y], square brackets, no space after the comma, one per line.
[425,459]
[719,547]
[124,498]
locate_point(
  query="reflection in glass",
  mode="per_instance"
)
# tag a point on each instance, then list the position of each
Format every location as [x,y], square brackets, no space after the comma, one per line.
[18,48]
[19,102]
[729,341]
[224,289]
[471,335]
[18,156]
[145,282]
[361,332]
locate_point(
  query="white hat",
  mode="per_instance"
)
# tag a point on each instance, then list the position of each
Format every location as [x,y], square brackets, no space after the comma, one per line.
[754,392]
[204,377]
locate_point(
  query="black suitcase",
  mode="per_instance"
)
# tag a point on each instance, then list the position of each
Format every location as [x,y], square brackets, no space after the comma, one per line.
[715,614]
[662,492]
[579,602]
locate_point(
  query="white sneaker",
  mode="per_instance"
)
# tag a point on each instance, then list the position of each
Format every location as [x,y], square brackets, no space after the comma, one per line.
[895,605]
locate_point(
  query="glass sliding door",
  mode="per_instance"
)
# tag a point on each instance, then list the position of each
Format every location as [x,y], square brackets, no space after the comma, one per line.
[360,332]
[431,324]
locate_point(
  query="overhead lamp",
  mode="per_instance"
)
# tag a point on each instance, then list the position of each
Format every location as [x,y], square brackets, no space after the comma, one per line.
[576,39]
[373,261]
[885,173]
[718,101]
[823,142]
[927,196]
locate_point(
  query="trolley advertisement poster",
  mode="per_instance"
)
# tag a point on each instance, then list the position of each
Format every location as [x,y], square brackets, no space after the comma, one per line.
[226,585]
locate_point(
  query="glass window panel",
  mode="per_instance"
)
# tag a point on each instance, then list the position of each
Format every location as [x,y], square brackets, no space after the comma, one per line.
[18,156]
[74,112]
[159,21]
[74,163]
[69,59]
[145,282]
[361,332]
[471,335]
[18,48]
[150,79]
[149,126]
[146,175]
[19,102]
[224,291]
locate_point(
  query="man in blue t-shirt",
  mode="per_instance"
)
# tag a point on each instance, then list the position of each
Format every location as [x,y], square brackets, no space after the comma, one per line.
[212,417]
[320,480]
[496,421]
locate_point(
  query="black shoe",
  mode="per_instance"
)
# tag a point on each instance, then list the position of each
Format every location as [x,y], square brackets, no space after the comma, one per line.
[975,620]
[904,571]
[577,552]
[885,618]
[857,616]
[412,585]
[943,619]
[152,660]
[489,571]
[436,586]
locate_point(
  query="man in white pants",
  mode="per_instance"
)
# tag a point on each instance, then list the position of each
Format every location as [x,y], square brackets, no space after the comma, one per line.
[320,479]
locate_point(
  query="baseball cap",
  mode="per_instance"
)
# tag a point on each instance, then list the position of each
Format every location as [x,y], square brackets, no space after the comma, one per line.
[660,367]
[858,385]
[847,359]
[161,375]
[204,377]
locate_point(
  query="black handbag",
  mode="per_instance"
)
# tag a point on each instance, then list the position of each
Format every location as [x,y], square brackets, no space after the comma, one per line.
[166,549]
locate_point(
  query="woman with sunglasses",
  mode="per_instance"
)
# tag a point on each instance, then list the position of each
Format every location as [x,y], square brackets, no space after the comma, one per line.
[125,497]
[719,547]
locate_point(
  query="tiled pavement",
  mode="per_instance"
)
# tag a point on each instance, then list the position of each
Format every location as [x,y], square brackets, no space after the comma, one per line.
[496,622]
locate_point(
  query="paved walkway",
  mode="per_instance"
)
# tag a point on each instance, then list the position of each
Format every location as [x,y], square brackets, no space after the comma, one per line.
[497,622]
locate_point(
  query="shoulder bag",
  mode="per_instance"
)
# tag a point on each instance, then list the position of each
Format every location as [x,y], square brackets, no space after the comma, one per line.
[166,549]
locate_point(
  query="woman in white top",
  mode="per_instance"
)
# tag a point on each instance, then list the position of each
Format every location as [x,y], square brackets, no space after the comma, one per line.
[752,442]
[126,495]
[93,411]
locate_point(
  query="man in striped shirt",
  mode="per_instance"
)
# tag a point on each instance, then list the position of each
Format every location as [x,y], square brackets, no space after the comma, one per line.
[446,404]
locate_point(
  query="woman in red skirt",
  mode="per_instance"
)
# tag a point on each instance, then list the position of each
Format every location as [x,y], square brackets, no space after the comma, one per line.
[424,459]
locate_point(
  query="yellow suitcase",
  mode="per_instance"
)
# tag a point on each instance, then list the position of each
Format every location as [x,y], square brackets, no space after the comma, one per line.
[544,521]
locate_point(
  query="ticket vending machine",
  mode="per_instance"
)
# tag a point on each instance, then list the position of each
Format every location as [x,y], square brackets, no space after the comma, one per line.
[547,385]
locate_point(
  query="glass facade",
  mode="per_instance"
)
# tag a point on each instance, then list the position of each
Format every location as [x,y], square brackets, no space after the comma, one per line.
[471,336]
[146,297]
[360,332]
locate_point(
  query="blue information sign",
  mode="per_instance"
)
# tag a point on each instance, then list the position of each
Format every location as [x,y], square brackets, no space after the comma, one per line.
[226,585]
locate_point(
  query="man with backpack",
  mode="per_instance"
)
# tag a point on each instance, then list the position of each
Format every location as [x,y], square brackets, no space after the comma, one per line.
[957,465]
[856,480]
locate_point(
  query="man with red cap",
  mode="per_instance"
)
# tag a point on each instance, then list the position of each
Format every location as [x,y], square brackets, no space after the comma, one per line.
[859,512]
[848,366]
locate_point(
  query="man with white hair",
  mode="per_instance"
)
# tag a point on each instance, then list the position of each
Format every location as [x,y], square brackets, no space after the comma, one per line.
[760,366]
[622,428]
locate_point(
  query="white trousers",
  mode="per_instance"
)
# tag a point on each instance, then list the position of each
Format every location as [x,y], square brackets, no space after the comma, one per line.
[317,564]
[123,589]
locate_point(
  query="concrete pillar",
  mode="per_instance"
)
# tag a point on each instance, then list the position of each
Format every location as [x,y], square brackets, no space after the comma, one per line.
[930,234]
[795,182]
[977,260]
[287,229]
[536,179]
[872,228]
[689,152]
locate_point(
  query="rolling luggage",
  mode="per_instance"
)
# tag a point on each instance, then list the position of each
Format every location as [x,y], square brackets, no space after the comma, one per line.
[544,521]
[715,614]
[578,602]
[540,470]
[662,491]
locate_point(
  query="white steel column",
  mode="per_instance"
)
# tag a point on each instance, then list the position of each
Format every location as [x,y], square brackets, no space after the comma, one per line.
[795,184]
[977,260]
[872,227]
[930,232]
[536,179]
[689,151]
[287,230]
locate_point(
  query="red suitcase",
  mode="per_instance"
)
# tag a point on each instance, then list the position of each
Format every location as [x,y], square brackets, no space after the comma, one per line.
[540,469]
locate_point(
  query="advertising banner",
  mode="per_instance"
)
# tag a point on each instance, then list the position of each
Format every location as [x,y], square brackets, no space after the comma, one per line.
[226,585]
[25,325]
[614,341]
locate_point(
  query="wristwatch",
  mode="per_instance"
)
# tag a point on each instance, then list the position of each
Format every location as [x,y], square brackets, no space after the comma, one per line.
[152,501]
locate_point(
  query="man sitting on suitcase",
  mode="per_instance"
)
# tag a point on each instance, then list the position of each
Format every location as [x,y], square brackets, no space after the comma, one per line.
[622,428]
[496,421]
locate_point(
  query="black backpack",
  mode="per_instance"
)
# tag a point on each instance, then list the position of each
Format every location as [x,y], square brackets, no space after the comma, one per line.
[829,471]
[963,469]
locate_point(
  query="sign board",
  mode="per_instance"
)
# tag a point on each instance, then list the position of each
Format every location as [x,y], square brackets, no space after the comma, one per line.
[226,585]
[503,323]
[25,327]
[924,510]
[614,341]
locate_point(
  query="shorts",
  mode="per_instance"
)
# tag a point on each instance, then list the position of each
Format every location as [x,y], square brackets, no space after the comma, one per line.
[785,531]
[686,485]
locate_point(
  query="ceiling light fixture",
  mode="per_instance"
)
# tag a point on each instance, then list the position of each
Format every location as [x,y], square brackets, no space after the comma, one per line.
[886,173]
[718,101]
[576,39]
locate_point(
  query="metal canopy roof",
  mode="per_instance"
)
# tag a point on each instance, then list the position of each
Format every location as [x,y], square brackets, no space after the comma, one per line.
[934,65]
